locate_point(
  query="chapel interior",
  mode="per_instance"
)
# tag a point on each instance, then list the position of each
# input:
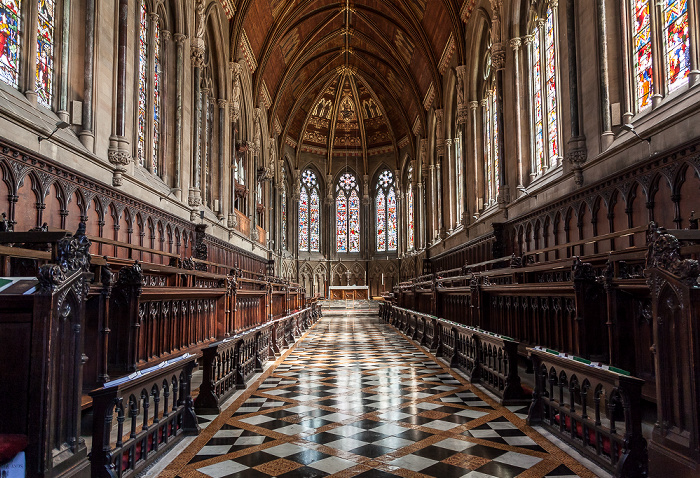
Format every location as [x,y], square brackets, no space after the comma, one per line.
[372,238]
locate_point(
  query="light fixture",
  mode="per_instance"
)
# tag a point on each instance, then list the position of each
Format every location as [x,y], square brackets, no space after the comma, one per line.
[630,127]
[59,125]
[525,192]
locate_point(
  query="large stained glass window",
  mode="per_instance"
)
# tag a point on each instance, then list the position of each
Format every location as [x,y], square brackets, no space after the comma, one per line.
[10,28]
[410,211]
[459,176]
[643,58]
[386,212]
[143,84]
[45,52]
[156,101]
[491,152]
[283,212]
[309,213]
[544,119]
[347,214]
[675,20]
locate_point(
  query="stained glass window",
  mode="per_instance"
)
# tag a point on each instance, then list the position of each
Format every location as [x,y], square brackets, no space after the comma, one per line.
[675,18]
[459,175]
[10,28]
[309,213]
[347,214]
[156,101]
[354,222]
[314,221]
[143,84]
[303,220]
[283,212]
[410,211]
[551,82]
[391,220]
[411,219]
[545,123]
[381,221]
[341,223]
[488,147]
[45,55]
[643,58]
[386,211]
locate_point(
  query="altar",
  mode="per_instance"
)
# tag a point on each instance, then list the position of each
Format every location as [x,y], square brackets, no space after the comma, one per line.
[348,292]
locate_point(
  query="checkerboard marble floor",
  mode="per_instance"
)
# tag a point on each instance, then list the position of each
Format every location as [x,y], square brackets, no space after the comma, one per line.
[356,398]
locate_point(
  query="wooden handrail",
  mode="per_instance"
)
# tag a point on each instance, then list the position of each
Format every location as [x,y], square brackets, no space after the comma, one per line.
[590,240]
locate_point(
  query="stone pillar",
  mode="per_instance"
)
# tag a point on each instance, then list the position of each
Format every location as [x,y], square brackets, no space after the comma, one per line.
[119,152]
[197,56]
[607,134]
[179,87]
[30,34]
[498,59]
[433,205]
[440,153]
[478,193]
[87,136]
[223,110]
[627,92]
[62,112]
[693,26]
[515,45]
[450,185]
[577,154]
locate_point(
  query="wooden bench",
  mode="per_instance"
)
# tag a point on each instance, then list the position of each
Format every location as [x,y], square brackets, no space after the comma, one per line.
[597,410]
[156,406]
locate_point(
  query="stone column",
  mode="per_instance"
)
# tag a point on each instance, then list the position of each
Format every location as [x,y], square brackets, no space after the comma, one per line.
[62,112]
[87,136]
[365,215]
[30,34]
[693,26]
[515,45]
[474,108]
[627,92]
[195,193]
[450,185]
[577,143]
[439,154]
[119,152]
[399,212]
[223,110]
[179,86]
[205,155]
[433,205]
[607,135]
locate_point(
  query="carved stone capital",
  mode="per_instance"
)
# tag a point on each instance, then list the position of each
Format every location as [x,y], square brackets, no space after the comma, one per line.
[221,103]
[165,35]
[180,38]
[515,43]
[577,156]
[498,56]
[119,157]
[197,52]
[473,105]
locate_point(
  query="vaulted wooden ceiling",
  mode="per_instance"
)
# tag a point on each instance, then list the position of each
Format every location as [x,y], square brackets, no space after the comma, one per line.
[383,55]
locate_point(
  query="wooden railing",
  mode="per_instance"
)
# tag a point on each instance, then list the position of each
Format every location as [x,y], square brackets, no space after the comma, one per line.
[156,406]
[593,408]
[228,364]
[485,357]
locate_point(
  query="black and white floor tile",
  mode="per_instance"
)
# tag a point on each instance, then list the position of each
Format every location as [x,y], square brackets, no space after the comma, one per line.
[356,398]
